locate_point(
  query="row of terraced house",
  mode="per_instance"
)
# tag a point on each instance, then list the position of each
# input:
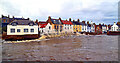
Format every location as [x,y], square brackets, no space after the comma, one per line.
[26,28]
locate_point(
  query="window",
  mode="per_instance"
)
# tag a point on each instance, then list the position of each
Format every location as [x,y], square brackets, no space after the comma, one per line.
[6,21]
[42,31]
[25,30]
[68,27]
[14,24]
[22,23]
[65,27]
[55,26]
[18,30]
[12,30]
[49,27]
[32,30]
[31,24]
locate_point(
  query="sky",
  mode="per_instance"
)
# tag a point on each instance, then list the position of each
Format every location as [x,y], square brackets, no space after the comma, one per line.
[98,11]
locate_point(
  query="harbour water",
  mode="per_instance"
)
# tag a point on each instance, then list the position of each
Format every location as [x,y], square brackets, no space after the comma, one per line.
[69,48]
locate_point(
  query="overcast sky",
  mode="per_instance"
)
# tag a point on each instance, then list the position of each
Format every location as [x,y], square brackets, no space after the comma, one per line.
[98,11]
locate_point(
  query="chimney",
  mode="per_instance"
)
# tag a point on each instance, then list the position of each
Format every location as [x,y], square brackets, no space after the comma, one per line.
[83,22]
[28,18]
[94,24]
[59,18]
[114,23]
[66,19]
[73,20]
[8,16]
[87,22]
[13,17]
[103,23]
[2,16]
[49,17]
[99,23]
[69,19]
[78,20]
[36,21]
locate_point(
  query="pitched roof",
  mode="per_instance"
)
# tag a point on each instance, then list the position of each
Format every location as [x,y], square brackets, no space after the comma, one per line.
[89,25]
[22,22]
[76,23]
[66,22]
[42,24]
[56,21]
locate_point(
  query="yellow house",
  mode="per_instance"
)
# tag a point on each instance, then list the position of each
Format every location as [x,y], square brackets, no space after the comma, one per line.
[77,27]
[57,26]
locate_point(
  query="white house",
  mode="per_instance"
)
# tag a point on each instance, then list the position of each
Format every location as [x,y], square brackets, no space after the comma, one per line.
[114,27]
[92,27]
[104,28]
[88,27]
[84,26]
[22,27]
[45,28]
[67,26]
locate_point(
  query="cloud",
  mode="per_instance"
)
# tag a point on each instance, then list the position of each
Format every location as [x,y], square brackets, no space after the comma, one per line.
[89,10]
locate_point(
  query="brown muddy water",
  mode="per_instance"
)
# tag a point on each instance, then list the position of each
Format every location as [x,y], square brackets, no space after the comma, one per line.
[71,48]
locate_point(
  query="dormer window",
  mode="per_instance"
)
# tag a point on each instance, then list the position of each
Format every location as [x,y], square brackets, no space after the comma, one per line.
[54,21]
[14,24]
[31,24]
[22,23]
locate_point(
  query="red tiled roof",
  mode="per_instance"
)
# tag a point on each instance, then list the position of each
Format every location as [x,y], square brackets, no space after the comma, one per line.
[42,24]
[66,22]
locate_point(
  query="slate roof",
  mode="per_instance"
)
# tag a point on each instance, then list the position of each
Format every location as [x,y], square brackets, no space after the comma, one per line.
[23,22]
[66,22]
[76,23]
[118,26]
[89,25]
[56,21]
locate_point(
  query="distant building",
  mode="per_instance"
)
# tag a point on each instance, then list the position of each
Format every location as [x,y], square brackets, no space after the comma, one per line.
[98,29]
[92,27]
[77,27]
[57,26]
[67,26]
[21,28]
[84,26]
[6,20]
[114,27]
[118,24]
[104,28]
[45,28]
[109,27]
[88,27]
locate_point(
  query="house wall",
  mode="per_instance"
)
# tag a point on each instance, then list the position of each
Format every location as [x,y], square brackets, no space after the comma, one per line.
[84,28]
[77,28]
[114,28]
[92,28]
[67,28]
[104,29]
[22,27]
[46,30]
[88,29]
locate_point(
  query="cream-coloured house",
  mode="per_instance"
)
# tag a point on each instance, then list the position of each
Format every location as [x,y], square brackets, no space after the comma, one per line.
[67,26]
[22,27]
[45,28]
[114,27]
[92,27]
